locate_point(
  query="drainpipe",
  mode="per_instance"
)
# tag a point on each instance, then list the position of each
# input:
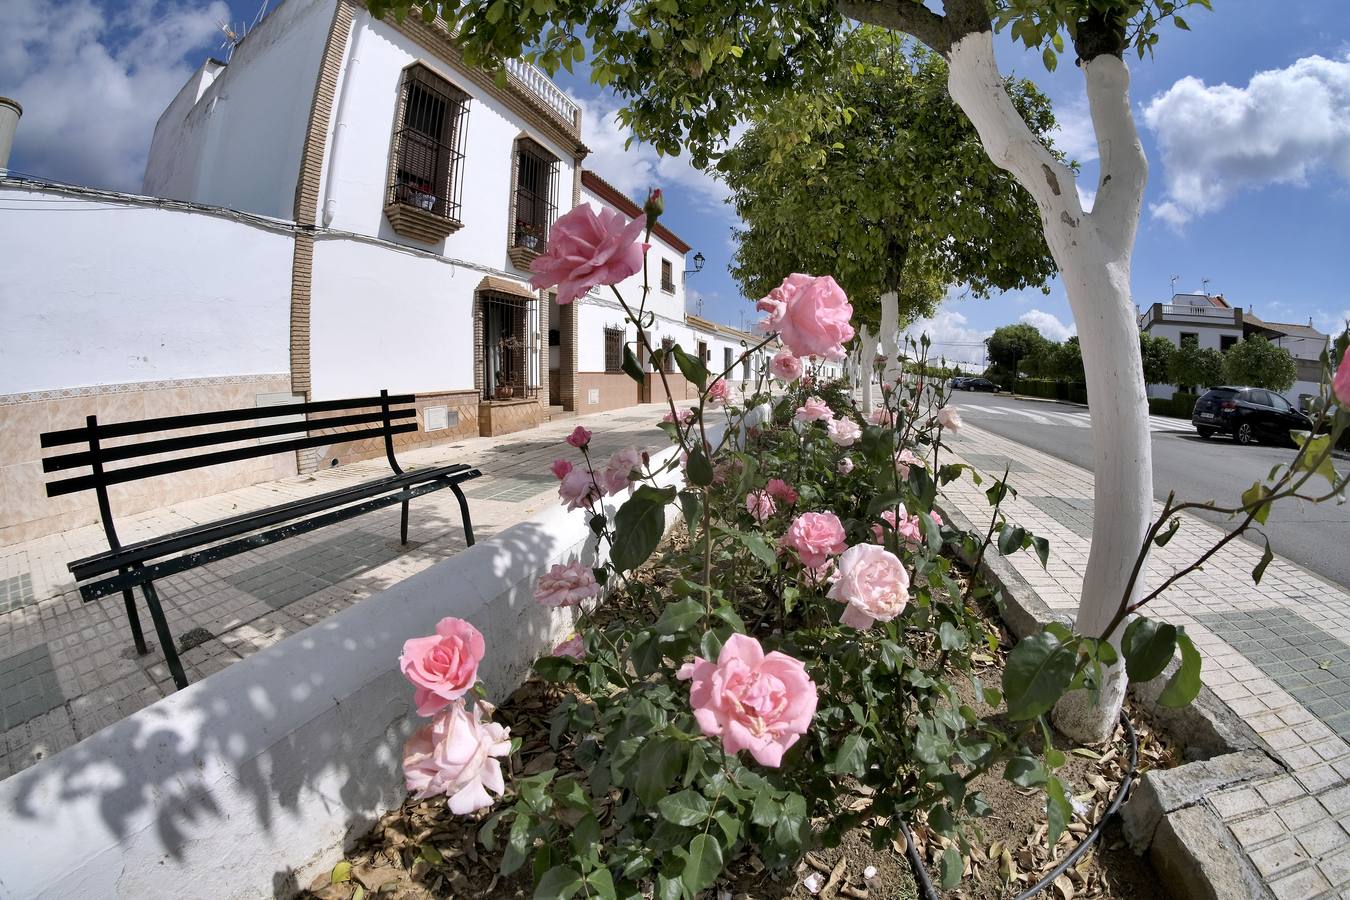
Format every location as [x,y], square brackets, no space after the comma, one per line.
[10,112]
[340,128]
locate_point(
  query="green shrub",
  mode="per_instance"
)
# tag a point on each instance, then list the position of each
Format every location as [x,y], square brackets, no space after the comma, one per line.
[1160,406]
[1183,404]
[1078,393]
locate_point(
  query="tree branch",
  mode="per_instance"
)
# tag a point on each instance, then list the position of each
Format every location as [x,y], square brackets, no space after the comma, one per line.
[908,16]
[1124,167]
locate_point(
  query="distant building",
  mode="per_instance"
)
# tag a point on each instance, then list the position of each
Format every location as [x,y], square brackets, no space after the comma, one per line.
[1213,323]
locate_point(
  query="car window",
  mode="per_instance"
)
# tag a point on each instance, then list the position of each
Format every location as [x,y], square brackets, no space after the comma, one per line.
[1259,397]
[1221,394]
[1280,403]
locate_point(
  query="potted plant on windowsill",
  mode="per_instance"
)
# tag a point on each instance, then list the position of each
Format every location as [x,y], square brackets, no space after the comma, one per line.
[504,389]
[530,237]
[419,194]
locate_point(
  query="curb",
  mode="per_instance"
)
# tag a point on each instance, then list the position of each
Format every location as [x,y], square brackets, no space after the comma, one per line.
[1167,815]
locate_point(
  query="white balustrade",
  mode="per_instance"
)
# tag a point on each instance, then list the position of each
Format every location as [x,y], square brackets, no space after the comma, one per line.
[543,87]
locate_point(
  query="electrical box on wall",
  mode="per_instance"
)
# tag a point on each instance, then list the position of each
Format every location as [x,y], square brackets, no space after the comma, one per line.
[593,397]
[437,418]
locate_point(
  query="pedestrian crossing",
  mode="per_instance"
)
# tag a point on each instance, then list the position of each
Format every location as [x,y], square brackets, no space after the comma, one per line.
[1071,419]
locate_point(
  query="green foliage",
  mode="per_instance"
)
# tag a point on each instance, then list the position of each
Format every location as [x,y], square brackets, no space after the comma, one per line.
[1157,356]
[1012,345]
[872,173]
[1255,362]
[1192,366]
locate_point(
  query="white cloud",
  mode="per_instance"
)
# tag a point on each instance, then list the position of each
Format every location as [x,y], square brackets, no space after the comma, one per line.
[1048,324]
[93,80]
[1086,197]
[953,337]
[1282,127]
[1073,131]
[635,169]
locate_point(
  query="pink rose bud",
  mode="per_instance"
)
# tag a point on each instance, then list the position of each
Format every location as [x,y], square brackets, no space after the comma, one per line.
[1341,383]
[566,585]
[574,647]
[719,392]
[443,666]
[586,249]
[579,437]
[873,583]
[654,206]
[560,468]
[816,537]
[756,701]
[456,755]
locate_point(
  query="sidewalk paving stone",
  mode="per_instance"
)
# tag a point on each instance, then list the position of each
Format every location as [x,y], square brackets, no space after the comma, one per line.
[1277,654]
[68,668]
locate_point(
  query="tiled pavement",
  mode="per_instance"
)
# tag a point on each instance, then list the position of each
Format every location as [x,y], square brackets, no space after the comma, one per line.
[68,668]
[1278,655]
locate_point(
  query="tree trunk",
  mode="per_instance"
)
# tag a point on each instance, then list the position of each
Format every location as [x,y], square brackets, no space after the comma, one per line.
[890,335]
[1093,253]
[867,357]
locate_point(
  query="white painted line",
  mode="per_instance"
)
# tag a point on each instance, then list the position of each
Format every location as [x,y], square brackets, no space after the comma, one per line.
[983,409]
[1042,420]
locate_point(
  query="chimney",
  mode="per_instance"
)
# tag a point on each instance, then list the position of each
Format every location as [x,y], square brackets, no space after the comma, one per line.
[10,111]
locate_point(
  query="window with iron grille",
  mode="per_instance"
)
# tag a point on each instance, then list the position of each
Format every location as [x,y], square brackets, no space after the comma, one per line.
[667,277]
[510,369]
[429,144]
[703,355]
[614,349]
[667,358]
[534,204]
[726,360]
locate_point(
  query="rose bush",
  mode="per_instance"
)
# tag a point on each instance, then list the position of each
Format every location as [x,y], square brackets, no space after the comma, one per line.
[825,619]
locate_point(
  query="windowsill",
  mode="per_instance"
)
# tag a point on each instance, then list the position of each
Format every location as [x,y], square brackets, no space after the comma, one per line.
[420,224]
[668,290]
[521,257]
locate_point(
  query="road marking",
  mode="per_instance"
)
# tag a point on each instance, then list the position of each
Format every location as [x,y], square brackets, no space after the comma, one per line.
[984,409]
[1075,419]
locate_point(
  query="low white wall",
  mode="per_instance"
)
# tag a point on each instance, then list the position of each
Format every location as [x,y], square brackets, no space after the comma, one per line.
[276,761]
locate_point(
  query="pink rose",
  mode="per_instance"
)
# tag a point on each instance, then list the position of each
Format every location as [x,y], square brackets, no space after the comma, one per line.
[579,437]
[686,415]
[816,537]
[578,489]
[443,666]
[949,418]
[586,249]
[844,432]
[781,490]
[874,584]
[904,459]
[616,477]
[845,466]
[937,518]
[814,410]
[908,527]
[560,468]
[574,647]
[816,322]
[566,585]
[755,701]
[719,392]
[454,755]
[882,416]
[760,505]
[1341,383]
[786,367]
[776,303]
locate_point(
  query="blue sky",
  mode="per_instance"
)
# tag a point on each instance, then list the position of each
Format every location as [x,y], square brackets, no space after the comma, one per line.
[1246,121]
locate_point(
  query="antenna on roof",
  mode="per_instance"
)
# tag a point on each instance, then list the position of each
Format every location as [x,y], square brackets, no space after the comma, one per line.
[1205,285]
[1175,278]
[235,34]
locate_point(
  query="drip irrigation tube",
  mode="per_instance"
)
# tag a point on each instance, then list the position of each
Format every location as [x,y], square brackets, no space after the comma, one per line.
[930,892]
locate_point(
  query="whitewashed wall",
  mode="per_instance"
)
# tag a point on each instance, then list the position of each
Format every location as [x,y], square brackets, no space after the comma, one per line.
[105,291]
[239,144]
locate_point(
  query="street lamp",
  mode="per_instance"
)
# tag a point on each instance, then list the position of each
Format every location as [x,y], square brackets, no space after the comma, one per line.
[698,265]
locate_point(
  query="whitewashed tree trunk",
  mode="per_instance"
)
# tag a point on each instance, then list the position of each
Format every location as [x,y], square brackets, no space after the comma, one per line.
[867,354]
[1093,253]
[890,336]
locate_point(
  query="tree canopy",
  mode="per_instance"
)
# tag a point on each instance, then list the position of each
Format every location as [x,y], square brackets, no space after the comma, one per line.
[1191,365]
[1011,345]
[1259,363]
[1157,355]
[876,177]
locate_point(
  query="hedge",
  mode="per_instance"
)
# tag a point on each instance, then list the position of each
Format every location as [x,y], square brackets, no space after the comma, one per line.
[1183,404]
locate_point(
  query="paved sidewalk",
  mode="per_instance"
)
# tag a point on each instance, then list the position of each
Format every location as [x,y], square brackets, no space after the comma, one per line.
[68,668]
[1278,655]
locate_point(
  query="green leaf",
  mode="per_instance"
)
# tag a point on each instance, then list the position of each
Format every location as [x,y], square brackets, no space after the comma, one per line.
[691,504]
[431,854]
[1181,23]
[757,546]
[1165,536]
[1260,569]
[661,761]
[1050,59]
[603,882]
[851,758]
[678,616]
[342,873]
[1059,810]
[1039,669]
[1025,771]
[558,883]
[1042,550]
[632,366]
[951,637]
[951,868]
[1010,539]
[764,811]
[359,893]
[638,526]
[699,469]
[1148,645]
[692,368]
[1184,684]
[703,864]
[1253,499]
[684,808]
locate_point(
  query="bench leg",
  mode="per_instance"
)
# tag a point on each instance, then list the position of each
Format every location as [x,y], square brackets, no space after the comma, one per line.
[464,513]
[165,637]
[134,618]
[403,525]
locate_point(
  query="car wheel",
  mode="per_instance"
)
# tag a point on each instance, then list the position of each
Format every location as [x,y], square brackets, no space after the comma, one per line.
[1205,433]
[1244,434]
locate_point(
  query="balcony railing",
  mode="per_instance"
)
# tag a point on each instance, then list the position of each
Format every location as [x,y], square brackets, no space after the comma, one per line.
[1214,315]
[543,87]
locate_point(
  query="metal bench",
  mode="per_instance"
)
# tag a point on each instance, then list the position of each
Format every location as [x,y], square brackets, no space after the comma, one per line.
[123,567]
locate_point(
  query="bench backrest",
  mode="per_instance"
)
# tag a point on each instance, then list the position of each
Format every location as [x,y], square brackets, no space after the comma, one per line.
[287,434]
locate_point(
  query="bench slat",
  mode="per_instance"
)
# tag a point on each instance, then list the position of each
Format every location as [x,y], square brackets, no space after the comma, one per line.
[167,466]
[215,417]
[221,529]
[168,445]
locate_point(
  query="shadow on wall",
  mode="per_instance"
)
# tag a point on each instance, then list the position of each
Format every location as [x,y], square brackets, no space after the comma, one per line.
[305,735]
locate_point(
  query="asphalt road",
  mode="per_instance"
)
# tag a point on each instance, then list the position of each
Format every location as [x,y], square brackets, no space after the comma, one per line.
[1316,537]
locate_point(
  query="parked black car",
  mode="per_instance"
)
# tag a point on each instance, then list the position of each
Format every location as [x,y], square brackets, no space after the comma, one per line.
[977,384]
[1248,414]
